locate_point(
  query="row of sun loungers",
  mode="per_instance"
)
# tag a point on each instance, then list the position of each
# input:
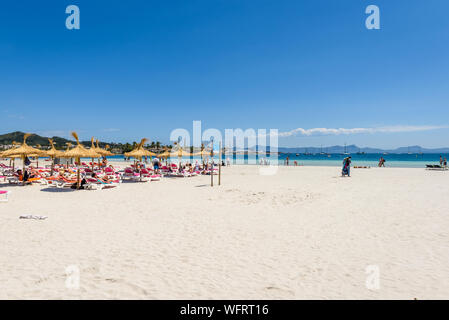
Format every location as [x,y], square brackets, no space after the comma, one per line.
[99,179]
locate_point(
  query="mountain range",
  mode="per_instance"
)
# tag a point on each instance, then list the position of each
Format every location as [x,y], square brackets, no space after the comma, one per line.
[34,139]
[355,149]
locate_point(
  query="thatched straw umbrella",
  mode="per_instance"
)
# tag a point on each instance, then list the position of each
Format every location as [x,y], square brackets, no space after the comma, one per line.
[138,153]
[103,152]
[203,153]
[164,154]
[53,153]
[180,153]
[23,151]
[11,158]
[79,152]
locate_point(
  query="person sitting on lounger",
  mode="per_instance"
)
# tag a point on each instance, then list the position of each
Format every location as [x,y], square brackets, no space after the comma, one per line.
[82,183]
[19,174]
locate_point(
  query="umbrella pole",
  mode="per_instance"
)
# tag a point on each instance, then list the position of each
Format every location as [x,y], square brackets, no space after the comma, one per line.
[219,165]
[92,165]
[78,173]
[140,169]
[52,166]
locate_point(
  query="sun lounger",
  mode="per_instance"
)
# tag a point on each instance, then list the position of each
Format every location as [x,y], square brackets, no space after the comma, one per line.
[13,180]
[98,184]
[129,174]
[4,195]
[436,167]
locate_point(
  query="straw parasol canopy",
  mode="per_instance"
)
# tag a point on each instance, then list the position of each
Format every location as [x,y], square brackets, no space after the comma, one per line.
[180,153]
[203,153]
[139,151]
[164,154]
[104,152]
[79,152]
[24,150]
[53,153]
[151,154]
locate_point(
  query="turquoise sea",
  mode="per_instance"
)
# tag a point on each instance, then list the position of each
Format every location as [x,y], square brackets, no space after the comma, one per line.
[369,159]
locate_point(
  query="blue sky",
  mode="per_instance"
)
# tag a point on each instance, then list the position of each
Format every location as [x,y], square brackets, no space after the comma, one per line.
[143,68]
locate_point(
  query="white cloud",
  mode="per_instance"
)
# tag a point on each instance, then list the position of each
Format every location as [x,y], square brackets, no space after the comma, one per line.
[347,131]
[111,130]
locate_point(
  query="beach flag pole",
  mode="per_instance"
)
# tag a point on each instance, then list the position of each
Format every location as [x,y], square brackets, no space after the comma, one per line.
[219,163]
[212,163]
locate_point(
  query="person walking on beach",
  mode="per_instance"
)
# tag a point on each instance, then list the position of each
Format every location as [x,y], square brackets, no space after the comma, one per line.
[156,165]
[441,160]
[286,161]
[445,162]
[346,167]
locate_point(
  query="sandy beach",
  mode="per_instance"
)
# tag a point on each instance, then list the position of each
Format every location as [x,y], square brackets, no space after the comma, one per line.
[303,233]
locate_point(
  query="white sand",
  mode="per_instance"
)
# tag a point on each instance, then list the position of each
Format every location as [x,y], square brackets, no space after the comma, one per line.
[302,233]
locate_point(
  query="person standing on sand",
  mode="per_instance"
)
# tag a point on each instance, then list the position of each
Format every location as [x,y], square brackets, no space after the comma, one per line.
[286,161]
[156,165]
[441,160]
[346,167]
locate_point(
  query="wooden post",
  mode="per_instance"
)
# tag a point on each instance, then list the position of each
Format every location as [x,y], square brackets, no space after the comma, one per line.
[78,160]
[219,164]
[212,164]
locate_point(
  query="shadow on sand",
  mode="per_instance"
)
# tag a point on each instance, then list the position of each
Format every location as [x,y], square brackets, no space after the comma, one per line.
[56,190]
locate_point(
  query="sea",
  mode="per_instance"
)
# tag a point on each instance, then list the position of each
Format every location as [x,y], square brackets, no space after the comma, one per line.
[416,160]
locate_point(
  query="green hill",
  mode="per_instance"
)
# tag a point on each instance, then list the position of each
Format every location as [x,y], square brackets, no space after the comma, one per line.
[60,143]
[34,139]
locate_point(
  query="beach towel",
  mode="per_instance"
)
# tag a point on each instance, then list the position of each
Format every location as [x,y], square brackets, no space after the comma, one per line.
[30,216]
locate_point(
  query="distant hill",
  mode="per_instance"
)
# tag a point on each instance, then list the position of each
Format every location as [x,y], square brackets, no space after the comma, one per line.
[34,139]
[355,149]
[60,143]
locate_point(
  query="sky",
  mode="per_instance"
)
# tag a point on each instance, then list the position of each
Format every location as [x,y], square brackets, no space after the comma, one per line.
[310,69]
